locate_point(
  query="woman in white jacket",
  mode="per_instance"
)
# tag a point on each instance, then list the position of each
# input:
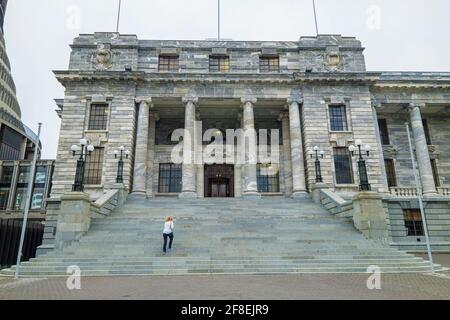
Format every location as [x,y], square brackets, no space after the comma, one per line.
[168,233]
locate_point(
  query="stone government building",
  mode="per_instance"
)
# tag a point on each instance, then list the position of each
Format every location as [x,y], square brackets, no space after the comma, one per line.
[122,91]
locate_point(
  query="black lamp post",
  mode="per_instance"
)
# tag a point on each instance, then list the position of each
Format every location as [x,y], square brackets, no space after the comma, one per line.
[364,184]
[319,155]
[85,151]
[121,151]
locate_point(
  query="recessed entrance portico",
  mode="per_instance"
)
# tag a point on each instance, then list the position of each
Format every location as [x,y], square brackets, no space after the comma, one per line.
[227,123]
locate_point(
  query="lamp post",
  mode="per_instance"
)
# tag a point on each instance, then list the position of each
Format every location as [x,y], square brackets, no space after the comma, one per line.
[319,155]
[85,151]
[364,184]
[121,151]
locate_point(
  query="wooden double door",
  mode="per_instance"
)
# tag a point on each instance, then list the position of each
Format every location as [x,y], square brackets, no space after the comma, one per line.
[219,181]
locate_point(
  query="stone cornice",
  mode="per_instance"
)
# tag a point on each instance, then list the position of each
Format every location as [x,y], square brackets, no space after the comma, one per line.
[337,77]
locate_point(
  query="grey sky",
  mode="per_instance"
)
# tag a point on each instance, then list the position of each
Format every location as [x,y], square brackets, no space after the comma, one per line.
[413,35]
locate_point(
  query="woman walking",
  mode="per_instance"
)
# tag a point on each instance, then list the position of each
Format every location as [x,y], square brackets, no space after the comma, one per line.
[168,233]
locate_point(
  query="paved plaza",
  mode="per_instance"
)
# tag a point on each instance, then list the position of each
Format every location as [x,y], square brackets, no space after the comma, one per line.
[278,287]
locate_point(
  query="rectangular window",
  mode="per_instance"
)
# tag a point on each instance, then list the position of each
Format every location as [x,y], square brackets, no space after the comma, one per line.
[384,133]
[390,173]
[269,64]
[219,64]
[413,222]
[268,180]
[169,63]
[343,166]
[338,118]
[98,117]
[22,186]
[94,167]
[5,185]
[426,128]
[39,188]
[437,181]
[170,178]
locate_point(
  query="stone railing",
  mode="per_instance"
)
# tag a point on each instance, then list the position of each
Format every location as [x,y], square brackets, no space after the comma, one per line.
[404,192]
[412,192]
[334,204]
[444,191]
[104,205]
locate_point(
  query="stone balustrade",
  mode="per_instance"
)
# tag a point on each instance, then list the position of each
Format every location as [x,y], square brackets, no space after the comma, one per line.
[404,191]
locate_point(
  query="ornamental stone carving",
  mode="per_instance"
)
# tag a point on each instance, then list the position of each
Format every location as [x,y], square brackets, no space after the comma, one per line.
[103,57]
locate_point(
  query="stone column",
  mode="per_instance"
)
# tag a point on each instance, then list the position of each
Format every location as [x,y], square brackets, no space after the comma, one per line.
[380,149]
[284,118]
[251,159]
[151,152]
[140,156]
[188,189]
[199,158]
[422,155]
[237,181]
[297,155]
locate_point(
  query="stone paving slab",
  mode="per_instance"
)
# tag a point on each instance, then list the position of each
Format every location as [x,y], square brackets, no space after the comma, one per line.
[283,287]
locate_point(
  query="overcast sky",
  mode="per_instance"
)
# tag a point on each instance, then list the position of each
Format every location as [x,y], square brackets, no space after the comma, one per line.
[400,35]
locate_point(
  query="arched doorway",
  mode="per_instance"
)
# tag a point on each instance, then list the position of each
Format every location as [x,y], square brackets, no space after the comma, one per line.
[219,181]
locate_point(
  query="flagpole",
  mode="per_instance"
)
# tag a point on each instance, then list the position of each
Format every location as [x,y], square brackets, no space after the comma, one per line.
[28,202]
[218,20]
[118,16]
[315,17]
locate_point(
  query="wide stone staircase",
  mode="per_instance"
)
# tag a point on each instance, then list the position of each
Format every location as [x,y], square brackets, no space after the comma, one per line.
[223,236]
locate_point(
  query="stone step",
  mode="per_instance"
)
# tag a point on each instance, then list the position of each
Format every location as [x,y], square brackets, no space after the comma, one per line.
[218,236]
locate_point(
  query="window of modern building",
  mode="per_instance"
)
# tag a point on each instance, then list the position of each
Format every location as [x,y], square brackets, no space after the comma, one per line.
[343,166]
[94,167]
[413,222]
[219,63]
[338,118]
[170,178]
[169,63]
[268,181]
[10,144]
[37,198]
[390,172]
[426,128]
[5,185]
[434,167]
[22,185]
[269,64]
[384,132]
[98,117]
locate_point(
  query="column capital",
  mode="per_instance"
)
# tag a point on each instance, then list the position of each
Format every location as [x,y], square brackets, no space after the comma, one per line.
[249,99]
[190,98]
[283,115]
[414,105]
[291,100]
[147,100]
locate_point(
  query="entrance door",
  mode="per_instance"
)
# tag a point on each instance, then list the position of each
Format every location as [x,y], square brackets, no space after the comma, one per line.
[220,188]
[219,181]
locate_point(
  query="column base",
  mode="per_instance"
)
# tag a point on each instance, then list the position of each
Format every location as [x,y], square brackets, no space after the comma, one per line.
[300,195]
[138,195]
[251,195]
[188,195]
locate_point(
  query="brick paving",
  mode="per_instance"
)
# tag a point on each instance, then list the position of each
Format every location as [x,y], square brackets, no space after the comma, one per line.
[278,287]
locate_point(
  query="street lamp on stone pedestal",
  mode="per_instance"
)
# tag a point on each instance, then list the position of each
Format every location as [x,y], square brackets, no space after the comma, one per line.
[119,154]
[364,184]
[85,151]
[319,155]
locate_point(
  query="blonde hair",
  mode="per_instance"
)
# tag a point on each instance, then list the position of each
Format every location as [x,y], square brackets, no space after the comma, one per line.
[169,218]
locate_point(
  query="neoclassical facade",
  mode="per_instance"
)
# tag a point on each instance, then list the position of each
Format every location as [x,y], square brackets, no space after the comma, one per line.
[121,91]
